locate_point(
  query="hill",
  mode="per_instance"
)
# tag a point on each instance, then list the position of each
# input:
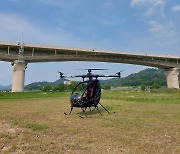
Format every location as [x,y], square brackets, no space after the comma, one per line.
[5,87]
[37,85]
[145,77]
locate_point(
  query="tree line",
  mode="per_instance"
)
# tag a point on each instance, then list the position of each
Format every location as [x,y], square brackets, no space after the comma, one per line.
[67,87]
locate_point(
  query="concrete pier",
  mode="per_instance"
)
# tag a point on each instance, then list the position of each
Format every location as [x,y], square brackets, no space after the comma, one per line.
[172,77]
[19,68]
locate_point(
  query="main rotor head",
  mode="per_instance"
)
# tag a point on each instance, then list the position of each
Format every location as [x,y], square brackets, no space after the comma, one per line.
[93,69]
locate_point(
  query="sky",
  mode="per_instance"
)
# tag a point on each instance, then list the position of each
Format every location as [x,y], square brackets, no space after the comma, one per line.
[135,26]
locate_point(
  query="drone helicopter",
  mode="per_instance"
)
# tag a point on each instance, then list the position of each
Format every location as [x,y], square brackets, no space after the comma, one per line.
[90,94]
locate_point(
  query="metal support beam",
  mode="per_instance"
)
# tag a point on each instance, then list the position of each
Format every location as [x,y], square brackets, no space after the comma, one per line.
[19,68]
[172,77]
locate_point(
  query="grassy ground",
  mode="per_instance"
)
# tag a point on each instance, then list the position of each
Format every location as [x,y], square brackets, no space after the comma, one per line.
[140,122]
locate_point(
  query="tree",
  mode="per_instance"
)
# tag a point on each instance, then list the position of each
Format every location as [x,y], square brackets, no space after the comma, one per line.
[61,87]
[55,89]
[30,88]
[46,88]
[155,86]
[106,87]
[143,87]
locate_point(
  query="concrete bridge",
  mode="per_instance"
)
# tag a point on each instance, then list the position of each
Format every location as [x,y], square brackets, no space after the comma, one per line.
[22,54]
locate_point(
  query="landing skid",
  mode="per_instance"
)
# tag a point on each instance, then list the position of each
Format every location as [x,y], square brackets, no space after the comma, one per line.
[84,110]
[69,112]
[104,108]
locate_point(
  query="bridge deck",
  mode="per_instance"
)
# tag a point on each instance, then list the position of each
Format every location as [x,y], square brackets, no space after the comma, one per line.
[37,53]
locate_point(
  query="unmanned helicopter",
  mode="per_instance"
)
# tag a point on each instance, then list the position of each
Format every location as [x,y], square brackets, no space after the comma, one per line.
[90,94]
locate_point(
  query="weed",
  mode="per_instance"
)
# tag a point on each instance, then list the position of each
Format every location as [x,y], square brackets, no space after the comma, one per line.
[37,127]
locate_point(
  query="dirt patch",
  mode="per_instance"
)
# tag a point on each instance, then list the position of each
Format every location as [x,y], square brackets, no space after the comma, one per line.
[7,128]
[7,134]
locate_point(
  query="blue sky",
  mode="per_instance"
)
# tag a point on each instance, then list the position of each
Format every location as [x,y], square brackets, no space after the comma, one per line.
[137,26]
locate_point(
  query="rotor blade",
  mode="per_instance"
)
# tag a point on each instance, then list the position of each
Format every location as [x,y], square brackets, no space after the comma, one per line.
[95,69]
[108,76]
[76,76]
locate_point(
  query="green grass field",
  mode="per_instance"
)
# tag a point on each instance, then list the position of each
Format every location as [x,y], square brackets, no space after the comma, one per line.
[140,122]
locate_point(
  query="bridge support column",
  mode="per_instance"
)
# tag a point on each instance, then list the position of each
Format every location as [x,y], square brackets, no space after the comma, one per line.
[19,68]
[172,78]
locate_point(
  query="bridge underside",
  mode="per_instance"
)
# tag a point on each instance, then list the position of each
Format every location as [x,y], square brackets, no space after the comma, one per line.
[33,53]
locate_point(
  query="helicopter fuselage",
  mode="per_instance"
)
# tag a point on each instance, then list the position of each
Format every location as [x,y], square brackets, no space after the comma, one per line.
[89,96]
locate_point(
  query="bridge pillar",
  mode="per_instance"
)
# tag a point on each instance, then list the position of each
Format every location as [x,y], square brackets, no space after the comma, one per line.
[19,68]
[172,78]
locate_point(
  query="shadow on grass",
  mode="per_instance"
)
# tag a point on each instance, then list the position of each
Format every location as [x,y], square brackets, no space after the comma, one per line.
[94,111]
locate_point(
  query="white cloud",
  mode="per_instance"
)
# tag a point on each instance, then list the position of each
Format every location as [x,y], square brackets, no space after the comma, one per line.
[176,8]
[152,6]
[54,3]
[151,2]
[163,34]
[12,27]
[161,38]
[159,28]
[108,4]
